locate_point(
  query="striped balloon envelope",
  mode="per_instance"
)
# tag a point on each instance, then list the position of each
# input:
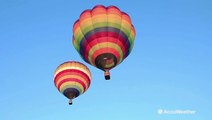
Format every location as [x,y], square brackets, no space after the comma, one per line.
[72,79]
[104,37]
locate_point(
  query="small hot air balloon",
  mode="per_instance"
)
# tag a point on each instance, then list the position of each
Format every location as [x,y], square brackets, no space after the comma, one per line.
[104,37]
[72,79]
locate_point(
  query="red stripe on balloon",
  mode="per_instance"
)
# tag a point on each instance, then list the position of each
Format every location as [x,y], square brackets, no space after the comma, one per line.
[107,34]
[72,72]
[109,40]
[100,37]
[101,40]
[87,80]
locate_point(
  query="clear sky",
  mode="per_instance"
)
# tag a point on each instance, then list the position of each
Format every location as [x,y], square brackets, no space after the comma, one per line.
[169,68]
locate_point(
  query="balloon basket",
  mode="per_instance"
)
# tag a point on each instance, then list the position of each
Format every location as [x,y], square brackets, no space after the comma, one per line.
[70,102]
[107,75]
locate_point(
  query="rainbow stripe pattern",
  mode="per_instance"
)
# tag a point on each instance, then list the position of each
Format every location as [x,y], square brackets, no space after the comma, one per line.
[103,36]
[72,79]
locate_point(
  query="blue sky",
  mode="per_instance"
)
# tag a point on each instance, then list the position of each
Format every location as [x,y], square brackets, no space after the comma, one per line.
[169,68]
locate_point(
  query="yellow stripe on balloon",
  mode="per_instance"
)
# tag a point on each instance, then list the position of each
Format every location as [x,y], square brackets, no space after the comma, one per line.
[114,18]
[62,68]
[109,65]
[86,25]
[99,18]
[105,45]
[73,66]
[78,35]
[71,84]
[126,27]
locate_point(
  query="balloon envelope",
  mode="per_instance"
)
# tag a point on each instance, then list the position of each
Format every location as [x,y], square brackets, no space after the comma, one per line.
[103,36]
[72,79]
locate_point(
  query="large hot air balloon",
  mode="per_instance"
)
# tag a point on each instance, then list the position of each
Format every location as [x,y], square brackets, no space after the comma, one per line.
[72,79]
[104,37]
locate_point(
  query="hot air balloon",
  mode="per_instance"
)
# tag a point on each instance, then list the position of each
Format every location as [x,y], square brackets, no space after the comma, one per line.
[72,79]
[104,37]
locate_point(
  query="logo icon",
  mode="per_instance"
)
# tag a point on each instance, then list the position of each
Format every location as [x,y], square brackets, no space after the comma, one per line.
[160,111]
